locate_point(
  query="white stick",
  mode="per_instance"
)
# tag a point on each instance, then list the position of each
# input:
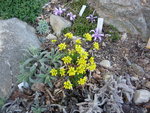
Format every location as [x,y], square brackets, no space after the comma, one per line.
[148,44]
[82,10]
[100,24]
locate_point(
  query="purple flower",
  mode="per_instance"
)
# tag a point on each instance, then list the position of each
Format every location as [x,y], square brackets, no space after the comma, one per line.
[97,36]
[58,11]
[91,18]
[72,17]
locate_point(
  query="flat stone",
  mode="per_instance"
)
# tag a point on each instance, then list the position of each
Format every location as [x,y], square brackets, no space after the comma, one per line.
[58,24]
[141,96]
[131,16]
[105,63]
[51,37]
[138,69]
[15,37]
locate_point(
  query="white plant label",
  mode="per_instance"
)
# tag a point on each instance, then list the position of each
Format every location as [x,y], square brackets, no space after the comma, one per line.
[82,10]
[100,24]
[148,44]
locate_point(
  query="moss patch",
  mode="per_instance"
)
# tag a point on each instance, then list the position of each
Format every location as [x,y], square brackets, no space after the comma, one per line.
[113,31]
[26,10]
[81,24]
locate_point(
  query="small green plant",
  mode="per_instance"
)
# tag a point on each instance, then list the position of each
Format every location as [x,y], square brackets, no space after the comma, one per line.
[113,31]
[38,64]
[36,108]
[26,10]
[2,102]
[42,27]
[81,24]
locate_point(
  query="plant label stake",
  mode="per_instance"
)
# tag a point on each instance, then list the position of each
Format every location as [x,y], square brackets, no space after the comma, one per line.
[100,24]
[148,44]
[82,10]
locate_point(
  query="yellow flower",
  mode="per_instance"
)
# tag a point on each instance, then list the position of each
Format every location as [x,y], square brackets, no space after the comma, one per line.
[84,54]
[53,41]
[71,52]
[81,61]
[78,48]
[82,81]
[67,59]
[96,45]
[71,71]
[78,41]
[53,72]
[91,67]
[87,36]
[91,60]
[67,85]
[81,69]
[62,46]
[69,35]
[62,72]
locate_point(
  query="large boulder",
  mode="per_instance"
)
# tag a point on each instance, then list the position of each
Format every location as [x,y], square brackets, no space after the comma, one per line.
[132,16]
[15,37]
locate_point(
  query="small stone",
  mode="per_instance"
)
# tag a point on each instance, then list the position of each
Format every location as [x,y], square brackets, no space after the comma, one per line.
[107,76]
[138,69]
[74,38]
[124,37]
[141,96]
[51,37]
[105,63]
[103,44]
[147,84]
[38,87]
[23,84]
[59,23]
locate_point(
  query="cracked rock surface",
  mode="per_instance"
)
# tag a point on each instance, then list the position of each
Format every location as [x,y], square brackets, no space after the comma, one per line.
[15,37]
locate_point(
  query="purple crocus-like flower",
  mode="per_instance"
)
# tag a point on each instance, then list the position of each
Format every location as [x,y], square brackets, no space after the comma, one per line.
[91,18]
[97,35]
[58,11]
[72,17]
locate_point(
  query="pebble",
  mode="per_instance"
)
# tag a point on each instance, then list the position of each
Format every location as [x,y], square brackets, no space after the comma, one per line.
[107,76]
[51,37]
[105,63]
[58,24]
[138,69]
[147,84]
[141,96]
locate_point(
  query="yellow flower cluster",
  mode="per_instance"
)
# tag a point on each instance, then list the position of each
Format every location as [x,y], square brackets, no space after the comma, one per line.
[53,72]
[96,45]
[76,62]
[67,59]
[71,71]
[78,41]
[82,81]
[87,36]
[62,72]
[92,65]
[62,46]
[67,85]
[68,35]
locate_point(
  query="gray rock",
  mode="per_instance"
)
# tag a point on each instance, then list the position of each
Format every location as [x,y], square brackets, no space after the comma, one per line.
[131,16]
[138,69]
[51,37]
[59,23]
[15,37]
[141,96]
[105,63]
